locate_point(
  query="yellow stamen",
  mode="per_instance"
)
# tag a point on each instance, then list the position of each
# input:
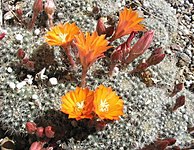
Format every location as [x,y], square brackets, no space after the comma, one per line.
[104,105]
[80,105]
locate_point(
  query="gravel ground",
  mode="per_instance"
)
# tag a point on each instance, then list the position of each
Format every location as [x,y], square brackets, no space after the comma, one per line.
[26,95]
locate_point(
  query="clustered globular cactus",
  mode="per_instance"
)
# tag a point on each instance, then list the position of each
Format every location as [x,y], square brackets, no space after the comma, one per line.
[89,48]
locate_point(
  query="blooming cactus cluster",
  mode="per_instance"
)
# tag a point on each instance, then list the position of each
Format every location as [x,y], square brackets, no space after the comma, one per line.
[91,47]
[102,103]
[84,103]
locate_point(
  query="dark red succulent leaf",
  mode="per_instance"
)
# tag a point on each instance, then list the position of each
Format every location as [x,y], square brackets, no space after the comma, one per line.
[180,101]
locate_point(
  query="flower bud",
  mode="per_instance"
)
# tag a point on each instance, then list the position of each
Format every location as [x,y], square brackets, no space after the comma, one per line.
[49,8]
[156,57]
[180,101]
[140,67]
[19,13]
[140,46]
[100,28]
[36,146]
[31,127]
[177,88]
[130,38]
[37,7]
[30,65]
[40,132]
[49,132]
[2,35]
[25,60]
[20,53]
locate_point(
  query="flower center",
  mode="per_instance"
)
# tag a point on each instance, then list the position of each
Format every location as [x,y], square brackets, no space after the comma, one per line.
[63,37]
[104,105]
[80,105]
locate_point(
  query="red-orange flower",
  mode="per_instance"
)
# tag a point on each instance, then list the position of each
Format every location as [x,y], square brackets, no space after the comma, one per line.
[62,34]
[91,47]
[78,103]
[128,22]
[107,105]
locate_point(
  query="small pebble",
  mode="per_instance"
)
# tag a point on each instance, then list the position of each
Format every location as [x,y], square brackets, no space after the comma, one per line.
[37,32]
[19,37]
[21,85]
[34,97]
[60,15]
[9,69]
[53,81]
[12,85]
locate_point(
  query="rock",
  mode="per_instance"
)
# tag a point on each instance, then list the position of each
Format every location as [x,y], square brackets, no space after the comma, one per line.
[34,96]
[19,37]
[37,31]
[21,85]
[11,85]
[60,15]
[9,69]
[53,81]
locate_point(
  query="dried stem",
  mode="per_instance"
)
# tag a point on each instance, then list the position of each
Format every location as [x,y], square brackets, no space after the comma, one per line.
[112,66]
[83,78]
[32,22]
[68,53]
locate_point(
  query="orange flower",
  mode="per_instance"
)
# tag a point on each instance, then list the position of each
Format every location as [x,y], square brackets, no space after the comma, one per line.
[128,22]
[78,104]
[91,47]
[107,105]
[62,34]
